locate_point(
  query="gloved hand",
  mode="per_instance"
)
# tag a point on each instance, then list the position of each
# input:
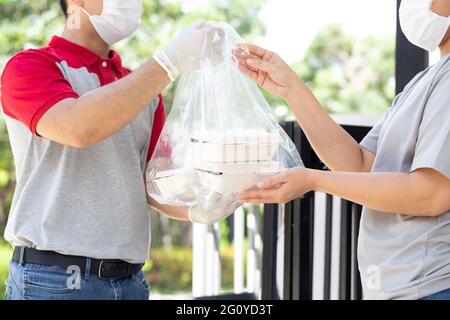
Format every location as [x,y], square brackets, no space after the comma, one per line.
[199,214]
[200,40]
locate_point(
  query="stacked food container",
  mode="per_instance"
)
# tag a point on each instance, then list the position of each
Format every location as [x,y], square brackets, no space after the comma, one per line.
[222,162]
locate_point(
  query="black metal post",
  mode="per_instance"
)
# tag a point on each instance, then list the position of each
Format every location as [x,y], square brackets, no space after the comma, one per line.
[288,231]
[269,289]
[303,227]
[328,234]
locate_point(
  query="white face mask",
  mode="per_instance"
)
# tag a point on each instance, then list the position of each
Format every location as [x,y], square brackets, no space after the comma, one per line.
[421,26]
[118,20]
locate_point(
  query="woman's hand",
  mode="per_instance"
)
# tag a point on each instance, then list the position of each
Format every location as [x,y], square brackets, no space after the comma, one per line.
[282,188]
[267,69]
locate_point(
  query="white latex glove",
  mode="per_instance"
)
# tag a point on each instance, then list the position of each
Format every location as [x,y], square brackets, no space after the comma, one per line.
[200,215]
[200,40]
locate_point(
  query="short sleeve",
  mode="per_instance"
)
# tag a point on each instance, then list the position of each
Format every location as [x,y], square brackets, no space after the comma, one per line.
[370,141]
[31,84]
[433,141]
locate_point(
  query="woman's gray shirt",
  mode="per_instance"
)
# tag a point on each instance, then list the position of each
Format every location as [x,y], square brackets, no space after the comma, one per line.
[404,257]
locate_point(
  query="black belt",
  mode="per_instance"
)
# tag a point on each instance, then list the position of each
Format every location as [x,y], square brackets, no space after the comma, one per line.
[104,269]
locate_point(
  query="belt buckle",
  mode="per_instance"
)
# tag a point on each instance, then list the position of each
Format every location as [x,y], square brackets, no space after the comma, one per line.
[100,267]
[99,275]
[100,272]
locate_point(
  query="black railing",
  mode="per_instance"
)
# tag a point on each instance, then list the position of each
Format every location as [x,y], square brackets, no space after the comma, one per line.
[298,218]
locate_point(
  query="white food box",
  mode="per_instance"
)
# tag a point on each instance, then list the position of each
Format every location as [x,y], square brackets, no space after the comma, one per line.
[177,183]
[232,146]
[235,178]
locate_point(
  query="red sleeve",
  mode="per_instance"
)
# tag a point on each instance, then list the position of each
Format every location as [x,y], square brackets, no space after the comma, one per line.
[30,85]
[158,125]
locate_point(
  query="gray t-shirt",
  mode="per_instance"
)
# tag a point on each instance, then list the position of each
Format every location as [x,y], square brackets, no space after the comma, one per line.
[404,257]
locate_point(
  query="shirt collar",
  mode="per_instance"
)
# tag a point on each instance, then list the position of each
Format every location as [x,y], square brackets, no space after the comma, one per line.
[84,55]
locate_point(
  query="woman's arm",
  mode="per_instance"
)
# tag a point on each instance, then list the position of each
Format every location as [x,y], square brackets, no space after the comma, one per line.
[335,147]
[425,192]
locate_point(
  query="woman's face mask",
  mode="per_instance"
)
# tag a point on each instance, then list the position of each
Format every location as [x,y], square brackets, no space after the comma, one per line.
[118,20]
[421,25]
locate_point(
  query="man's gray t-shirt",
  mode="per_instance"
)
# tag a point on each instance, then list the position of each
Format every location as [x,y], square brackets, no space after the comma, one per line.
[87,202]
[400,256]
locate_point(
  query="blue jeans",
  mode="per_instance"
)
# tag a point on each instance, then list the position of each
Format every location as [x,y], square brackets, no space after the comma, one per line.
[39,282]
[443,295]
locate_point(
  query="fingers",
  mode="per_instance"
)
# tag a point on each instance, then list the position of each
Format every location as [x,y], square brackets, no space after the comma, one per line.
[241,58]
[241,51]
[252,61]
[272,182]
[260,201]
[258,51]
[260,64]
[259,196]
[248,72]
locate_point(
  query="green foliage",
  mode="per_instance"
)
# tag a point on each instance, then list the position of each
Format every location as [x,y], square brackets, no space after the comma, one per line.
[171,271]
[162,19]
[350,75]
[5,257]
[27,23]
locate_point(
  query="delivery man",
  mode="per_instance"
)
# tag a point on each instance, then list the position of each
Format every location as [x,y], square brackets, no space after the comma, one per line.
[82,128]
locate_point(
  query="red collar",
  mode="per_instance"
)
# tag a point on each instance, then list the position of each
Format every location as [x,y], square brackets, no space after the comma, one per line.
[86,56]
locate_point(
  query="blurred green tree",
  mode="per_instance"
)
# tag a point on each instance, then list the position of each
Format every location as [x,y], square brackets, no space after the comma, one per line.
[350,75]
[347,74]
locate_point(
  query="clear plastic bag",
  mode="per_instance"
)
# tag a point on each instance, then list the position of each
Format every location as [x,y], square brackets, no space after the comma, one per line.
[220,138]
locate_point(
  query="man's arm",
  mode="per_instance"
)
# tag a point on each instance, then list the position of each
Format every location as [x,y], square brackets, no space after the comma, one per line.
[100,113]
[176,213]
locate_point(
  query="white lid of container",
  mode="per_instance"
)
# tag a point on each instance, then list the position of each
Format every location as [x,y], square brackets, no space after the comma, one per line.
[238,136]
[173,172]
[266,167]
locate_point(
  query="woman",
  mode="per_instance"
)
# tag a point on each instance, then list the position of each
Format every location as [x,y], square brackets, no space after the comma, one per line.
[400,172]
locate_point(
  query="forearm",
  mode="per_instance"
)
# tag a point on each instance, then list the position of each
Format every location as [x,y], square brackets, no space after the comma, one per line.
[173,212]
[422,193]
[105,111]
[102,112]
[334,146]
